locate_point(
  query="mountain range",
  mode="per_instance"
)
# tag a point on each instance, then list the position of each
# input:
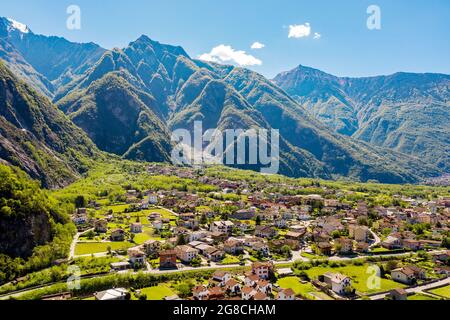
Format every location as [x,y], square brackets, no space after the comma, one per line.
[406,112]
[127,101]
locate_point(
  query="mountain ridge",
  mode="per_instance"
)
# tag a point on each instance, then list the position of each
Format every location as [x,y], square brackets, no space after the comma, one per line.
[167,90]
[404,111]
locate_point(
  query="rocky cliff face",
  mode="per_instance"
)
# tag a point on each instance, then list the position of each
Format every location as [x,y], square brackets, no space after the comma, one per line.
[20,234]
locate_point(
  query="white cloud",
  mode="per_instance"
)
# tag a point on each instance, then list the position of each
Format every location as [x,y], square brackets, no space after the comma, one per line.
[223,53]
[299,30]
[317,36]
[257,45]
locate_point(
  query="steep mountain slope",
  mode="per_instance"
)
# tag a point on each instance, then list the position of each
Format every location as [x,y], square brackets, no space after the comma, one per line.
[128,100]
[47,63]
[37,137]
[174,91]
[119,119]
[225,97]
[405,112]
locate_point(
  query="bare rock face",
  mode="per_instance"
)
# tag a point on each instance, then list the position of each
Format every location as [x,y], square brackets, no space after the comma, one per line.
[39,138]
[20,234]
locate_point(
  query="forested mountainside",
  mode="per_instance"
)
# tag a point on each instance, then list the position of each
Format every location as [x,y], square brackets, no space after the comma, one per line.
[405,112]
[130,99]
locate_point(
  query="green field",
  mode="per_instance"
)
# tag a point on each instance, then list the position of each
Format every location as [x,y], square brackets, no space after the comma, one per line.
[146,235]
[443,292]
[157,293]
[229,259]
[165,214]
[379,250]
[299,288]
[312,256]
[359,277]
[118,208]
[98,247]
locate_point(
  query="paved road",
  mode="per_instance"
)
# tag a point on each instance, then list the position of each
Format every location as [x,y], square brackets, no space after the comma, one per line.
[376,238]
[418,289]
[74,243]
[218,267]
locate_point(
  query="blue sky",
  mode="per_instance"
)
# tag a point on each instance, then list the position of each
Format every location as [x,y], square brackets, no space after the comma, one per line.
[414,34]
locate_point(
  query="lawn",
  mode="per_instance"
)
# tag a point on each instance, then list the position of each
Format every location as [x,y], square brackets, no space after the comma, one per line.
[146,235]
[165,214]
[98,247]
[312,256]
[443,292]
[299,288]
[158,292]
[379,250]
[229,259]
[359,277]
[118,208]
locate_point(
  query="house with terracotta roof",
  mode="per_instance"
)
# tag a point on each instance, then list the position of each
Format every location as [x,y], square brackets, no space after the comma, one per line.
[233,246]
[408,275]
[337,282]
[285,295]
[168,259]
[264,286]
[221,277]
[216,293]
[232,286]
[200,292]
[186,253]
[248,293]
[137,257]
[263,270]
[260,296]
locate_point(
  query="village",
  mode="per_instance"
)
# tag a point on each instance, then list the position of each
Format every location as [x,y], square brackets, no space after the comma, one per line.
[263,245]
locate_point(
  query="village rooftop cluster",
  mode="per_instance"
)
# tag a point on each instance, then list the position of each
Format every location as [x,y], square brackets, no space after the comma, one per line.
[268,235]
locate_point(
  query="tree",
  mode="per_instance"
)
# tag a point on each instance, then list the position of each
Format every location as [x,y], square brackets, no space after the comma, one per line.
[258,220]
[362,221]
[391,265]
[336,234]
[446,242]
[90,235]
[196,262]
[80,202]
[181,240]
[142,297]
[184,290]
[286,251]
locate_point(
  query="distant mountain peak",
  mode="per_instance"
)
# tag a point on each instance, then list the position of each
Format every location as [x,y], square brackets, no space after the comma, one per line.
[146,40]
[16,25]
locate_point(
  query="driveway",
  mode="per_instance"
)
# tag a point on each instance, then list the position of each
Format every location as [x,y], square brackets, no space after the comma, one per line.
[74,243]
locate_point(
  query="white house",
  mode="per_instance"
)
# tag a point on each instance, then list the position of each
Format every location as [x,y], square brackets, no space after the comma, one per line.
[136,228]
[222,226]
[200,292]
[286,295]
[111,294]
[248,293]
[337,282]
[222,277]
